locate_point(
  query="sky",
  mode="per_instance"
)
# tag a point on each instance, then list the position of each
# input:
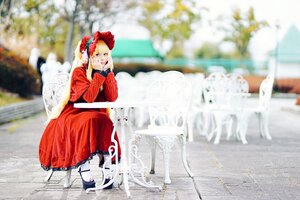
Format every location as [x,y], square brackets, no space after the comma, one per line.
[282,12]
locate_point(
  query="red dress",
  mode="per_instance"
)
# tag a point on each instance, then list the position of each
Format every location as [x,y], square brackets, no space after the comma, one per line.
[78,134]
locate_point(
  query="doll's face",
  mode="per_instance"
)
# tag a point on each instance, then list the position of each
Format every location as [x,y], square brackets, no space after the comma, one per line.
[101,54]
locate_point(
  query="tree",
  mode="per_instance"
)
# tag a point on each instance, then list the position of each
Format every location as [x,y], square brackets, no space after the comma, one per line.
[5,10]
[211,51]
[34,22]
[242,29]
[60,26]
[92,13]
[170,21]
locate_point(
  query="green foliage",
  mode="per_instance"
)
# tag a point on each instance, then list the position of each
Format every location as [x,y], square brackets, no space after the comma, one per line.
[16,75]
[39,20]
[7,98]
[176,52]
[173,25]
[211,51]
[47,24]
[242,29]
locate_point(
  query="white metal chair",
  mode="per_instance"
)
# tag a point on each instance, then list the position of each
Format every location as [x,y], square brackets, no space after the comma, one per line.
[126,86]
[214,88]
[196,110]
[262,110]
[144,80]
[238,89]
[168,120]
[52,93]
[224,97]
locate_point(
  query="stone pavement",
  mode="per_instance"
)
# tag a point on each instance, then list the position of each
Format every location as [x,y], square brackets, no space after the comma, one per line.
[261,169]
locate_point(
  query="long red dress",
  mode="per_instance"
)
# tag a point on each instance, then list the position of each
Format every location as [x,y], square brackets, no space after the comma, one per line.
[78,134]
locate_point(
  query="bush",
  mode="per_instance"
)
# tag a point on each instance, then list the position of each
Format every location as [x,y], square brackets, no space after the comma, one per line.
[133,68]
[287,85]
[16,75]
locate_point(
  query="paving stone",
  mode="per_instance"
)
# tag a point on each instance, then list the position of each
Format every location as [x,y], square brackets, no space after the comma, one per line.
[261,170]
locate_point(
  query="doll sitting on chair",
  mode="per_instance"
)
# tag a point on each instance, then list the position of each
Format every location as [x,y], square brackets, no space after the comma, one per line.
[75,135]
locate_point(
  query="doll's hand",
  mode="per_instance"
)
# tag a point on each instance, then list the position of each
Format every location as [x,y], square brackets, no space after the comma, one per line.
[96,63]
[108,64]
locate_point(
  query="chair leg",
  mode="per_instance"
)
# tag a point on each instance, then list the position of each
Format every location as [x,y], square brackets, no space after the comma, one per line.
[265,123]
[183,156]
[260,124]
[200,124]
[49,175]
[152,143]
[67,183]
[243,125]
[207,122]
[190,126]
[153,155]
[167,167]
[219,123]
[229,128]
[166,143]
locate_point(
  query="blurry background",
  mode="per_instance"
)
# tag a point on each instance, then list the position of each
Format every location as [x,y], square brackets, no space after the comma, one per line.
[254,38]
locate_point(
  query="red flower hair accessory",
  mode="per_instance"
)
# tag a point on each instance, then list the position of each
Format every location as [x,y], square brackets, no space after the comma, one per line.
[84,41]
[107,37]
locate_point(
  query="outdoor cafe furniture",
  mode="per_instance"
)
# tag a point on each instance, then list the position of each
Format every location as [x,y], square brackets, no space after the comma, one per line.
[195,118]
[126,166]
[168,120]
[52,93]
[262,109]
[224,100]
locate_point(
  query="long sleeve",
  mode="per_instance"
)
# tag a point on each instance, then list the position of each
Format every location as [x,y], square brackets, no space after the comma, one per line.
[110,87]
[82,88]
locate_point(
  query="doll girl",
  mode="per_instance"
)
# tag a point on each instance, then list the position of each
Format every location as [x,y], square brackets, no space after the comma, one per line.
[75,135]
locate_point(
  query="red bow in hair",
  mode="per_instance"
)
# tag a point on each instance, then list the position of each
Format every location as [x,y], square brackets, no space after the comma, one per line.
[107,37]
[84,41]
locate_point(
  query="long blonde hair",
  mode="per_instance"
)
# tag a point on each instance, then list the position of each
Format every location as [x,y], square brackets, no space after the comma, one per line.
[66,96]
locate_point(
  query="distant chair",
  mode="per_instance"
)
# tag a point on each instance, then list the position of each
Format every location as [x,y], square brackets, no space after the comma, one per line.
[215,86]
[52,93]
[168,121]
[224,98]
[195,111]
[239,89]
[144,80]
[126,86]
[240,71]
[216,68]
[262,109]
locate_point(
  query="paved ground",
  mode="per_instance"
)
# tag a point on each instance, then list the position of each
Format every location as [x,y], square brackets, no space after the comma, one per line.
[261,169]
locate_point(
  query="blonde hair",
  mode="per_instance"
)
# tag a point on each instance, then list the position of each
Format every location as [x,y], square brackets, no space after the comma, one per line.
[66,96]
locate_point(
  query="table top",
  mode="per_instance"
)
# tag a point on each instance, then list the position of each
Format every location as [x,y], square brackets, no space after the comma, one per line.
[245,94]
[118,104]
